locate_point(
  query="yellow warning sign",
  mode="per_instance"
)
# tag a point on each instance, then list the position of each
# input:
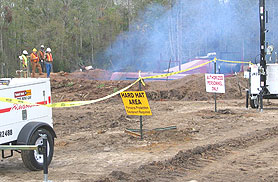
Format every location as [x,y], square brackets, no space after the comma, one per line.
[136,103]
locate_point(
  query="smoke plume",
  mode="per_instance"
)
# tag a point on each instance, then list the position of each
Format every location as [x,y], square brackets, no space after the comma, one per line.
[190,29]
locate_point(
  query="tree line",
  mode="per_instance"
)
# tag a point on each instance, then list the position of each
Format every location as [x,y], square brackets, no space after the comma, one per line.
[136,32]
[77,31]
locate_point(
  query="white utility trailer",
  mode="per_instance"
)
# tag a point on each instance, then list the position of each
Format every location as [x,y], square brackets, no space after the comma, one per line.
[24,124]
[263,77]
[271,87]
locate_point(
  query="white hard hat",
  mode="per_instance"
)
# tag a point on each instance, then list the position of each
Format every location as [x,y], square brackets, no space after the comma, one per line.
[25,52]
[48,50]
[42,46]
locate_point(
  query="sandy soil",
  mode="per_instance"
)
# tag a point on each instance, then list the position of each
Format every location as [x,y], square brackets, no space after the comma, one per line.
[234,144]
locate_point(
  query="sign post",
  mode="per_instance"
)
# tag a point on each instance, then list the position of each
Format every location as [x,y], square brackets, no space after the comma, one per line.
[141,117]
[215,103]
[136,103]
[215,83]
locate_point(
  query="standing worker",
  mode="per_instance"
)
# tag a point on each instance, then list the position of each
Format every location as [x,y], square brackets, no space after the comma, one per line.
[48,62]
[24,64]
[35,63]
[42,58]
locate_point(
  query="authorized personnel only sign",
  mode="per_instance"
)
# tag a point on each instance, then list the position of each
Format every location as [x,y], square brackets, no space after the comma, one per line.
[136,103]
[215,83]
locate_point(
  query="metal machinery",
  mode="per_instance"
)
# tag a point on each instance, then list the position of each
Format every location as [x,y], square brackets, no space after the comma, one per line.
[24,125]
[263,77]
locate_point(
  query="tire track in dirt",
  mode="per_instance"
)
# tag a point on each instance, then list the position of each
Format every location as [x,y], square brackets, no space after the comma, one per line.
[191,160]
[256,163]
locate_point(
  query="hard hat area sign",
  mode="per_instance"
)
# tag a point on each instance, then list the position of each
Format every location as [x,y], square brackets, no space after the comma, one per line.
[136,103]
[215,83]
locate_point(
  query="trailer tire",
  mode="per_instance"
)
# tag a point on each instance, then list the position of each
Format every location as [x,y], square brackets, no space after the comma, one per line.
[254,103]
[32,159]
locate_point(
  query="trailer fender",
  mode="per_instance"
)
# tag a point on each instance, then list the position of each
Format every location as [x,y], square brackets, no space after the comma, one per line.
[28,130]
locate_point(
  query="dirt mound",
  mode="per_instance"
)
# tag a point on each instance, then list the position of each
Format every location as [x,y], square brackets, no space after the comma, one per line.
[75,89]
[193,88]
[95,74]
[80,86]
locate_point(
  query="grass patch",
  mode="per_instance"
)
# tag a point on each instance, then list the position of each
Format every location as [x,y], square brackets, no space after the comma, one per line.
[69,84]
[100,86]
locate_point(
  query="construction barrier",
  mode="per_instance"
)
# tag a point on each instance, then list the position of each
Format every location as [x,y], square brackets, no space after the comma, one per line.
[81,103]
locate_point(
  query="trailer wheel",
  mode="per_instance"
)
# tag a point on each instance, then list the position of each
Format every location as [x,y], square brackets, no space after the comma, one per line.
[254,103]
[32,159]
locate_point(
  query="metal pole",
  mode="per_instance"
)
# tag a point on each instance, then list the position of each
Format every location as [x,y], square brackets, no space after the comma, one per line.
[262,41]
[169,67]
[45,166]
[215,103]
[261,101]
[247,98]
[141,117]
[262,48]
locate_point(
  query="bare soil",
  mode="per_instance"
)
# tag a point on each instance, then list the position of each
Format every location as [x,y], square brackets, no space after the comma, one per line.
[233,144]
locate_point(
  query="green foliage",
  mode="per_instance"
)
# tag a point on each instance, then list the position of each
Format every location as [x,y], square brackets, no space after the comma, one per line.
[74,29]
[100,86]
[115,90]
[69,84]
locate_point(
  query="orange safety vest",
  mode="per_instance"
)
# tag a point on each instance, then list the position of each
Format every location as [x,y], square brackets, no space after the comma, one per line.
[49,57]
[41,53]
[34,58]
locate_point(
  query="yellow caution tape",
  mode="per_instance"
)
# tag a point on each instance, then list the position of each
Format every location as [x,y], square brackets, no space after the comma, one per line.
[16,101]
[66,104]
[177,72]
[243,62]
[80,103]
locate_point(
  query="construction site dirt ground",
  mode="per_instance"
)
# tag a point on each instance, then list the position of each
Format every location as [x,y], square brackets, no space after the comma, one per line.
[233,144]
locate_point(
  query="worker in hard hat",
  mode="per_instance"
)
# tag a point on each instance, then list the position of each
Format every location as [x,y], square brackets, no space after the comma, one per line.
[42,57]
[35,63]
[24,63]
[48,61]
